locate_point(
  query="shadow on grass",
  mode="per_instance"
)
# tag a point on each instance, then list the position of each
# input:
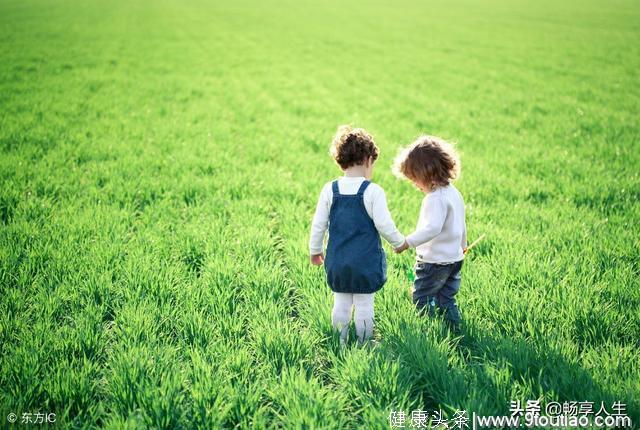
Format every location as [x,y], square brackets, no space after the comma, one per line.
[482,372]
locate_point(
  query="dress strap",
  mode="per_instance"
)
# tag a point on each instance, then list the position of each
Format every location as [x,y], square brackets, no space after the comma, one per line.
[363,187]
[334,187]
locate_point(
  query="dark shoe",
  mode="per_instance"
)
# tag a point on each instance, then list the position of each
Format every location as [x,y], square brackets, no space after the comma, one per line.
[454,327]
[452,318]
[428,311]
[452,314]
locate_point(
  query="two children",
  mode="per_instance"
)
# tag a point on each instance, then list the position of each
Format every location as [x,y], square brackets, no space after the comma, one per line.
[355,212]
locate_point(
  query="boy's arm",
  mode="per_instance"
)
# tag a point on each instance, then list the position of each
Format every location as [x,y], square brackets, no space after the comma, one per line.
[320,223]
[436,212]
[383,221]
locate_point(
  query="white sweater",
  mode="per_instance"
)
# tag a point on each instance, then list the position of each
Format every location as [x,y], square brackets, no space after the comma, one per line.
[375,203]
[441,233]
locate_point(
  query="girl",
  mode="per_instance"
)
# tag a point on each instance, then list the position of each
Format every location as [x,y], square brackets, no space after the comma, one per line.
[440,237]
[355,212]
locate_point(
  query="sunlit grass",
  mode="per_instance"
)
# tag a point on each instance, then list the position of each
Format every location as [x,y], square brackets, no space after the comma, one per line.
[160,163]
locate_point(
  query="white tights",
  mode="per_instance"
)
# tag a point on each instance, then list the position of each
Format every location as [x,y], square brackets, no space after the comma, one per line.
[341,316]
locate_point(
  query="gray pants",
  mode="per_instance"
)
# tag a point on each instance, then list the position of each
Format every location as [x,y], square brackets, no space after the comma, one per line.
[437,284]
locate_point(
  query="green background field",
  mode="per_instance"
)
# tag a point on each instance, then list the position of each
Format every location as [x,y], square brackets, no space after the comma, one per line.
[160,162]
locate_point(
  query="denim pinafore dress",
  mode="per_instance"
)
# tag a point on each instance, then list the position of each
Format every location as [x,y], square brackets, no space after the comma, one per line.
[355,261]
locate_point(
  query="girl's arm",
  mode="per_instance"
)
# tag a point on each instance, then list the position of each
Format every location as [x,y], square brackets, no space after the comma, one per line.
[320,222]
[463,242]
[382,218]
[435,211]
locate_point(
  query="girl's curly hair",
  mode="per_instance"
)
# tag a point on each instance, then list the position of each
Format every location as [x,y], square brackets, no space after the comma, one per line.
[352,146]
[428,160]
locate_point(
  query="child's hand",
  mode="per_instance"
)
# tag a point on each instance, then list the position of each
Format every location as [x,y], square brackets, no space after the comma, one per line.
[401,248]
[317,259]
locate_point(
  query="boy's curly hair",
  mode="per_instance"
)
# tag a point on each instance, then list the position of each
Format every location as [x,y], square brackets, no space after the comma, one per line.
[428,160]
[352,146]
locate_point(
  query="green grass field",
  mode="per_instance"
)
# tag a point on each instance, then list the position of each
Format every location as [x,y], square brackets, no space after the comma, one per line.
[160,162]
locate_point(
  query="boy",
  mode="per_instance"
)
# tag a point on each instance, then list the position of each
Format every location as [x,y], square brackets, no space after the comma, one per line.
[440,238]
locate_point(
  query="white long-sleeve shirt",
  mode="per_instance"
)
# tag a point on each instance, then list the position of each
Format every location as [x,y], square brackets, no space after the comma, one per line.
[375,203]
[441,233]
